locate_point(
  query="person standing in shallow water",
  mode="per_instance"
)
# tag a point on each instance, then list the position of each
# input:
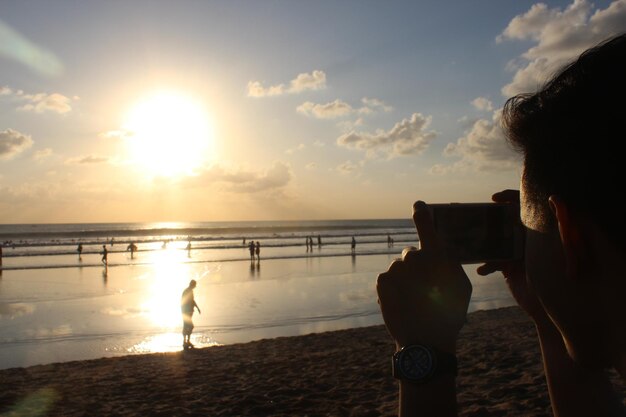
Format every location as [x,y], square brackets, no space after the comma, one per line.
[257,250]
[187,305]
[105,255]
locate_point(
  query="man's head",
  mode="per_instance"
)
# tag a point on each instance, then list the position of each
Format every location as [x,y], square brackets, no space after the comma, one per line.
[192,283]
[573,189]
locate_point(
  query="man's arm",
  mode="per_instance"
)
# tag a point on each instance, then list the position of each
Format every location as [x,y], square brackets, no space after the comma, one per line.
[423,299]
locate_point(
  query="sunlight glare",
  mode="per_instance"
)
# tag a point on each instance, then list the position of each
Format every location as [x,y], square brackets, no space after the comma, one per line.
[163,303]
[170,134]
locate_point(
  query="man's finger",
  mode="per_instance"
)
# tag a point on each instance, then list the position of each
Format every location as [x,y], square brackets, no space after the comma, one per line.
[487,269]
[424,225]
[406,250]
[506,196]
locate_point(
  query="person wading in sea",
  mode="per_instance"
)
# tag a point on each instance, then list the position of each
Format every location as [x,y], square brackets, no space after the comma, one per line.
[187,304]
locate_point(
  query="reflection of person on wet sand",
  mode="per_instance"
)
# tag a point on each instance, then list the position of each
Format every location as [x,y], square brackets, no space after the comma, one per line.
[105,255]
[251,248]
[187,304]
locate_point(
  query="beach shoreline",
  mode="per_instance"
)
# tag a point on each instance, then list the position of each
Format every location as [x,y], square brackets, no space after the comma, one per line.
[338,373]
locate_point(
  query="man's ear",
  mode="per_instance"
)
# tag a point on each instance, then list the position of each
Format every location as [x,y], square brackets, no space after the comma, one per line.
[574,248]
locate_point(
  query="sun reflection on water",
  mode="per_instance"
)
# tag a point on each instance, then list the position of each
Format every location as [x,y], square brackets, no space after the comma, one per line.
[170,342]
[162,304]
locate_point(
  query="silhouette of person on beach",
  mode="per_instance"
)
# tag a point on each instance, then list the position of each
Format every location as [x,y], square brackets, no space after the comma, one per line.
[105,255]
[79,249]
[257,251]
[187,305]
[353,245]
[0,255]
[251,249]
[319,240]
[132,248]
[244,242]
[188,247]
[571,281]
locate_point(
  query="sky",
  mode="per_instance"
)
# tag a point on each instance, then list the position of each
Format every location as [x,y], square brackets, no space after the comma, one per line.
[155,111]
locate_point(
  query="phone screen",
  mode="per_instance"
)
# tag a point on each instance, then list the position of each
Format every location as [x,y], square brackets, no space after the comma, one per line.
[477,232]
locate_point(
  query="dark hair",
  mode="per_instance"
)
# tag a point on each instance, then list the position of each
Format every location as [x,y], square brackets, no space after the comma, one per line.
[568,133]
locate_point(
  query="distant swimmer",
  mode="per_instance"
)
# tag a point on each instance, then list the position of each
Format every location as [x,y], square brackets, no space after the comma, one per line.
[257,250]
[105,255]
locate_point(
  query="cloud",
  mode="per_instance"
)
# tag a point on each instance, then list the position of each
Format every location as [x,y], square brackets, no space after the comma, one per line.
[339,108]
[482,148]
[482,104]
[43,102]
[42,154]
[376,104]
[316,80]
[16,47]
[558,36]
[408,137]
[300,147]
[13,142]
[238,180]
[311,165]
[88,159]
[347,167]
[117,134]
[330,110]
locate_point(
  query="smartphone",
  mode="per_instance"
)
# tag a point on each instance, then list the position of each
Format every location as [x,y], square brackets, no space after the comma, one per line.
[479,232]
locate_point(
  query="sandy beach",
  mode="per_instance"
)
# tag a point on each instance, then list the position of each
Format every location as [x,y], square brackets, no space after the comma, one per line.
[340,373]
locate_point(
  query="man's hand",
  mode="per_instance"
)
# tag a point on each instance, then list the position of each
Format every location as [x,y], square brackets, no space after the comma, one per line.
[424,296]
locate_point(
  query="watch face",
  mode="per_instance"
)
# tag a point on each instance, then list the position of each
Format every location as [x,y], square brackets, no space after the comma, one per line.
[416,362]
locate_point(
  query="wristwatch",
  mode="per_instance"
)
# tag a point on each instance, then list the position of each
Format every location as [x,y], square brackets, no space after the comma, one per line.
[420,363]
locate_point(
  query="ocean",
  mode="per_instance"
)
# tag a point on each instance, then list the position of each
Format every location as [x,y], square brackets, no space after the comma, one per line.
[59,305]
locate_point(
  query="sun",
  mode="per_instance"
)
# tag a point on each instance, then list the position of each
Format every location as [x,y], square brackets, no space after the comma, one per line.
[169,134]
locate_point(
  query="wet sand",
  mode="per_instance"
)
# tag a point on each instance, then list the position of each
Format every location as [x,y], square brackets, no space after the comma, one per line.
[340,373]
